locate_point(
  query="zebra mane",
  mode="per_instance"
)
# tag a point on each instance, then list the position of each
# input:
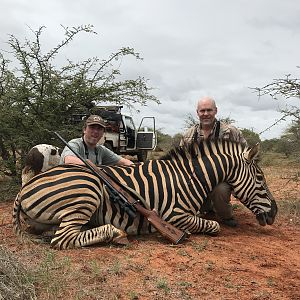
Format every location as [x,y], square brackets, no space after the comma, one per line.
[177,151]
[189,151]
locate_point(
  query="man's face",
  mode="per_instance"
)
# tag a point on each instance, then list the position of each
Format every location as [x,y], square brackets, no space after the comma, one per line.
[206,112]
[92,134]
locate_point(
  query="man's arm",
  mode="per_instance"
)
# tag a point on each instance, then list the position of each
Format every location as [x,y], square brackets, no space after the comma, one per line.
[124,162]
[70,159]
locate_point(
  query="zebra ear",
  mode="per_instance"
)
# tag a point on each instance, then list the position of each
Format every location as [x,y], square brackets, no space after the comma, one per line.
[252,153]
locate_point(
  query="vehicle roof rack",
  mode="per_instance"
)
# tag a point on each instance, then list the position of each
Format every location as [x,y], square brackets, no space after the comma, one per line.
[111,108]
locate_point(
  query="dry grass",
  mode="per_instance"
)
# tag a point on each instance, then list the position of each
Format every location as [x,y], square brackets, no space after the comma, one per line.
[15,281]
[290,210]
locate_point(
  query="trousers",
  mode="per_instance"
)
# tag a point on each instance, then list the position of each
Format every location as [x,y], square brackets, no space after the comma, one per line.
[219,201]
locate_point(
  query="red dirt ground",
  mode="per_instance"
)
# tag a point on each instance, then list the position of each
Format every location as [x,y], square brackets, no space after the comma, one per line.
[247,262]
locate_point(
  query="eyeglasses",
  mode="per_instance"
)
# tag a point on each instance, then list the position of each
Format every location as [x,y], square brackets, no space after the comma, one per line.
[209,111]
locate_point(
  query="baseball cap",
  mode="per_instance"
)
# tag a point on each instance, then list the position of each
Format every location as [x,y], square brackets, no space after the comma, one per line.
[95,119]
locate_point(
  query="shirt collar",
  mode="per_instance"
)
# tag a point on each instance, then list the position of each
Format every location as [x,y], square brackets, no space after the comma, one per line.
[212,132]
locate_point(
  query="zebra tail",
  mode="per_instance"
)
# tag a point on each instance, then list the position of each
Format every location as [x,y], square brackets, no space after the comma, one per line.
[17,226]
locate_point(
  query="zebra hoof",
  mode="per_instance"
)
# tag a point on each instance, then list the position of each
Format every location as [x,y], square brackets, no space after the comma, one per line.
[120,240]
[120,237]
[214,228]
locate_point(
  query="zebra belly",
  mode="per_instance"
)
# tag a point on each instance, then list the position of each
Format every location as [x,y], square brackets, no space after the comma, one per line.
[109,213]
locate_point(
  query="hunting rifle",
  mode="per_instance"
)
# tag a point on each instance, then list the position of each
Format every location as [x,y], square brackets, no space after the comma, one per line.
[131,204]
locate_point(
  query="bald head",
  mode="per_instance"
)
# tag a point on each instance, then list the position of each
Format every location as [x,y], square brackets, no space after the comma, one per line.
[206,101]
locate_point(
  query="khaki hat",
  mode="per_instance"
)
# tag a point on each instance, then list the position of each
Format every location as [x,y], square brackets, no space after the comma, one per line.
[94,119]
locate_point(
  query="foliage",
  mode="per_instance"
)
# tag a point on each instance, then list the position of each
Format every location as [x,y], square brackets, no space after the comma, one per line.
[176,139]
[227,120]
[46,275]
[190,121]
[8,189]
[288,143]
[269,145]
[37,97]
[285,88]
[164,141]
[251,137]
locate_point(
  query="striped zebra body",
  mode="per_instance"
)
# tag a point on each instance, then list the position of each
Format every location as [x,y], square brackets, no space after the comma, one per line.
[167,189]
[64,196]
[175,186]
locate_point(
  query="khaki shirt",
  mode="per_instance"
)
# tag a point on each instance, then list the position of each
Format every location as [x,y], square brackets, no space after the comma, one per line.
[226,131]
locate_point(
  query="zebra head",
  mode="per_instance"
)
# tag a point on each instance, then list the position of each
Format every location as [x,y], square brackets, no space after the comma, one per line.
[251,189]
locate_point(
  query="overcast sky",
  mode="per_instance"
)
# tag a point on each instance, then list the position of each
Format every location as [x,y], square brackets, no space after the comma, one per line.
[190,48]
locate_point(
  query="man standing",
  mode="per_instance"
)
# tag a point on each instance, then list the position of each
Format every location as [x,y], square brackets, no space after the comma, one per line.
[87,146]
[210,128]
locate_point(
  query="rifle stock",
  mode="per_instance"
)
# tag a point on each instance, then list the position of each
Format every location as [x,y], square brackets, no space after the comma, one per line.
[167,230]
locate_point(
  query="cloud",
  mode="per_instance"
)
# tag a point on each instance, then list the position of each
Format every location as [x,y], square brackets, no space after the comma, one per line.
[190,49]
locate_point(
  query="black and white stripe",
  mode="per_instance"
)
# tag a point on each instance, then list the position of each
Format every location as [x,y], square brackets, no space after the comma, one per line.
[175,186]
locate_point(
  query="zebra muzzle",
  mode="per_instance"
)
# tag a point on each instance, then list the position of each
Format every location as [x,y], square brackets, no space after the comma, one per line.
[266,218]
[262,219]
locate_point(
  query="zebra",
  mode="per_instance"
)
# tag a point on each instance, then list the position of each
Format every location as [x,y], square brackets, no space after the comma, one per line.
[176,186]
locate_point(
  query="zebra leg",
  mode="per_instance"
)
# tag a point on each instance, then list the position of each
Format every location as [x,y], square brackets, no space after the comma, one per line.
[38,228]
[69,236]
[195,224]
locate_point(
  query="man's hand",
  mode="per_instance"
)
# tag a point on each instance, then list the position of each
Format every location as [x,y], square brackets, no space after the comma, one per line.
[125,162]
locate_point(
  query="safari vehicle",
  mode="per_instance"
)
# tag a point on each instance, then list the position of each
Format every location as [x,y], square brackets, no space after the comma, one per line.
[121,134]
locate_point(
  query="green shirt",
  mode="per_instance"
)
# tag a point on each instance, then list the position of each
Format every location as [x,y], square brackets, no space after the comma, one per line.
[99,156]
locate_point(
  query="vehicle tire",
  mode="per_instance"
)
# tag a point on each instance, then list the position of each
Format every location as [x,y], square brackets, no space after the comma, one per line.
[142,155]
